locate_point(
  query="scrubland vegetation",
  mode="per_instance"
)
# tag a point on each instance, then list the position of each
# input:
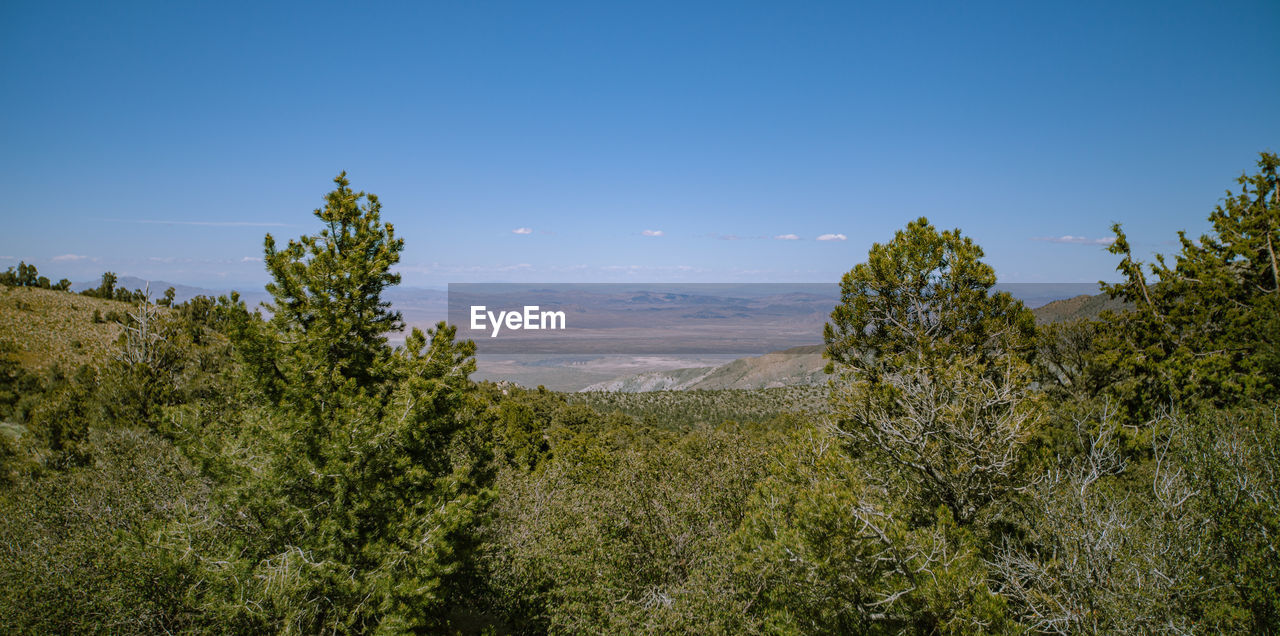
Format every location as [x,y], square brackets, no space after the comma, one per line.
[967,471]
[681,410]
[43,329]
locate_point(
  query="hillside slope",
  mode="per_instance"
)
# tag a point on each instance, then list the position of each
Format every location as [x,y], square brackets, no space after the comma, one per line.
[42,328]
[1084,306]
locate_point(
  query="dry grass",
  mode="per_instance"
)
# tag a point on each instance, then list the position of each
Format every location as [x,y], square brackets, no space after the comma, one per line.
[47,328]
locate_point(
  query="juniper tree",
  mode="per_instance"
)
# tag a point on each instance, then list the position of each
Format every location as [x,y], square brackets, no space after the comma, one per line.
[1204,326]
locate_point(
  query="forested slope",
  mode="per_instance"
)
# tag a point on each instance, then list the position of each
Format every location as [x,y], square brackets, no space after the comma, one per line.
[967,470]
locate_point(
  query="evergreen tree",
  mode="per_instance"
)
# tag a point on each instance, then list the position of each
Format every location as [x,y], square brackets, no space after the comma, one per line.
[328,310]
[1204,329]
[105,289]
[354,512]
[932,368]
[27,275]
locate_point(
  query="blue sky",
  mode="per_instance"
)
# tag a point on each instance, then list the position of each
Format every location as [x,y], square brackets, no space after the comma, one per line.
[164,139]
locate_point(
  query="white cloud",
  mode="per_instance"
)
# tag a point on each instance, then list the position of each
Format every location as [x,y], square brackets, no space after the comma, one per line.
[652,233]
[69,257]
[787,237]
[522,230]
[1079,240]
[8,258]
[832,237]
[251,259]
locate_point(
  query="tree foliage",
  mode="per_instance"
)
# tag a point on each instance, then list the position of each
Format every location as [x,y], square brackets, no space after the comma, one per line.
[931,368]
[329,320]
[354,510]
[1205,326]
[28,276]
[925,296]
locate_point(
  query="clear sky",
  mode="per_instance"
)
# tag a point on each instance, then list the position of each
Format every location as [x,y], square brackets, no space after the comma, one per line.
[552,141]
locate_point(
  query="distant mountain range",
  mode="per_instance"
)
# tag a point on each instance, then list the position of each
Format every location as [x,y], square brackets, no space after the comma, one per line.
[800,366]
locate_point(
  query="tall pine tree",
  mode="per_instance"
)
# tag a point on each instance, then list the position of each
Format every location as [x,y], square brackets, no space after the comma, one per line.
[352,511]
[329,319]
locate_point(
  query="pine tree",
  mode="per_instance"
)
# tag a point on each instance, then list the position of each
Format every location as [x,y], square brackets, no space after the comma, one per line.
[356,506]
[328,310]
[932,369]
